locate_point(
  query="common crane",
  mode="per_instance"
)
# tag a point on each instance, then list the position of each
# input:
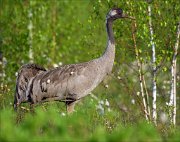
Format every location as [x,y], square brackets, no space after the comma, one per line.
[70,83]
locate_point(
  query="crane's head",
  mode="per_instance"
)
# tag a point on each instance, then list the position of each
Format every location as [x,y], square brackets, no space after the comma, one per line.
[117,13]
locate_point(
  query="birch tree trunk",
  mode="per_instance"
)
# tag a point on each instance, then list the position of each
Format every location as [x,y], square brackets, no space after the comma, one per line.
[139,64]
[54,16]
[154,111]
[30,38]
[173,80]
[1,69]
[147,98]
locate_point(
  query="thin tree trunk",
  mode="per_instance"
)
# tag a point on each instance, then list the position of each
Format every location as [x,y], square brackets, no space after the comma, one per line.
[139,64]
[147,98]
[30,28]
[2,72]
[173,80]
[54,16]
[154,111]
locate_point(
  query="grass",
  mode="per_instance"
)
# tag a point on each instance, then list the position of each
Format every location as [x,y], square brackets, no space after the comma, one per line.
[49,122]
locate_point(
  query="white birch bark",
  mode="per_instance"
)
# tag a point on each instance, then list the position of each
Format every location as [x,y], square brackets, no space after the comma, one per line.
[2,73]
[154,111]
[30,38]
[139,64]
[147,98]
[173,80]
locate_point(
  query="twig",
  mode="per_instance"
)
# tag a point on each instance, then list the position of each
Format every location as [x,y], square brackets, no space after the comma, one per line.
[139,64]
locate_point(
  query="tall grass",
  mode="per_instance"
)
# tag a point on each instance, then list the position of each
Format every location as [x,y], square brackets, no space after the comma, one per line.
[49,122]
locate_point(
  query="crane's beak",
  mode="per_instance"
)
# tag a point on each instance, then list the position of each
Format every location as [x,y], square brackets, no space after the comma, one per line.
[126,16]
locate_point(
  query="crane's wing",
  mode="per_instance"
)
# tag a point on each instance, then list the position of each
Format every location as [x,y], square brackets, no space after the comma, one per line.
[72,82]
[54,82]
[25,73]
[61,74]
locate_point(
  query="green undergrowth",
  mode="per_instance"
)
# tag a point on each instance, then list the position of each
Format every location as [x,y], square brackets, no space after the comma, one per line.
[50,124]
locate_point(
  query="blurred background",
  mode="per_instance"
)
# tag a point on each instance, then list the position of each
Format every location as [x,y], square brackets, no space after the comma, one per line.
[52,33]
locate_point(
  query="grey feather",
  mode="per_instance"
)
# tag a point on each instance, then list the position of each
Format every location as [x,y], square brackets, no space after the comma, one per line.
[25,73]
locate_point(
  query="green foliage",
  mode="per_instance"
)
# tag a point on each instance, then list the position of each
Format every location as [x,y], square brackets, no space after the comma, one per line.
[50,125]
[73,31]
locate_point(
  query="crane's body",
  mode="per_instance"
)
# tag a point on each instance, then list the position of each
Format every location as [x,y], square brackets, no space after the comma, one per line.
[70,83]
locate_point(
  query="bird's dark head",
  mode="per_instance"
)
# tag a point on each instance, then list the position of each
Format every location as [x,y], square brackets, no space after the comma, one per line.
[117,13]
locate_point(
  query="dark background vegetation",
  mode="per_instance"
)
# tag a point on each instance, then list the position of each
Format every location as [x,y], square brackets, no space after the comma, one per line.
[73,31]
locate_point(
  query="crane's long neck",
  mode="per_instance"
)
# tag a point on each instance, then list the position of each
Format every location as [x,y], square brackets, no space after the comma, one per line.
[109,29]
[109,54]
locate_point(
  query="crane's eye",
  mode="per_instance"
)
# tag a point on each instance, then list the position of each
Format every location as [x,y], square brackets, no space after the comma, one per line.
[119,11]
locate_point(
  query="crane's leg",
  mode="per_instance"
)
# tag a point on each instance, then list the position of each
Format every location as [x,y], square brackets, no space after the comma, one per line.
[32,108]
[70,107]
